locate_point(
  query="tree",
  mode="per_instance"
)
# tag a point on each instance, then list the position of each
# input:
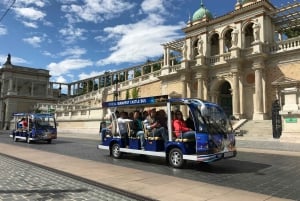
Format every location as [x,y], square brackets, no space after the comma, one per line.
[292,32]
[135,92]
[137,73]
[127,94]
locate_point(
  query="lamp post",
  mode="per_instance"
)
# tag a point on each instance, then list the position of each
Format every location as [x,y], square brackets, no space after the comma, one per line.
[116,92]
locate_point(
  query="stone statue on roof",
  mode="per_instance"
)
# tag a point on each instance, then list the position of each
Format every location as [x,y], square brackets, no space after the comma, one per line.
[8,60]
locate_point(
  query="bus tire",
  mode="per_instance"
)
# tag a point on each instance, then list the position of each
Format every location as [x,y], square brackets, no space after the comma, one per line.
[176,158]
[115,151]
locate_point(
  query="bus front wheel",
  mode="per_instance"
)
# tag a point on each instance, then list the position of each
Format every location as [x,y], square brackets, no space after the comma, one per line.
[115,150]
[176,158]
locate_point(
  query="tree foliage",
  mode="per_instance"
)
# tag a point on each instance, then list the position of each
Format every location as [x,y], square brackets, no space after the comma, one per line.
[135,92]
[293,32]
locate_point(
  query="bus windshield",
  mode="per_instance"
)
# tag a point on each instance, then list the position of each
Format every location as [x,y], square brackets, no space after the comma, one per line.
[214,118]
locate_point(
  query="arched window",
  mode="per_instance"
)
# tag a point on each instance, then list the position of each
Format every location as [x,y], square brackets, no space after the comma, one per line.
[214,45]
[195,48]
[249,38]
[227,40]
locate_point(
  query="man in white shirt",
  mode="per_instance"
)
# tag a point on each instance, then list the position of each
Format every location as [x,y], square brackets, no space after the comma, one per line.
[122,128]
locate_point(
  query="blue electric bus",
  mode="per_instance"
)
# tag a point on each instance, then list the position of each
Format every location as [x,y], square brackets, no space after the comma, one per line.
[39,127]
[213,135]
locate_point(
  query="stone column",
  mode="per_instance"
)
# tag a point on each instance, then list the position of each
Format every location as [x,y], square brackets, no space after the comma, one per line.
[235,95]
[167,62]
[78,87]
[183,92]
[202,84]
[221,42]
[259,109]
[200,93]
[10,86]
[69,89]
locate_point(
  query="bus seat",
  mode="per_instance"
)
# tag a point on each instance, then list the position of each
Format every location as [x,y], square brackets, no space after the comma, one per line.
[114,128]
[130,130]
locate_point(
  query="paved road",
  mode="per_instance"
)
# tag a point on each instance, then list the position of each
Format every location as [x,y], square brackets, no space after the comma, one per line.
[21,181]
[272,173]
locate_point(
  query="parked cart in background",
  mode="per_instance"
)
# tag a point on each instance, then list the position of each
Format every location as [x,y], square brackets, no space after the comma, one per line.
[34,127]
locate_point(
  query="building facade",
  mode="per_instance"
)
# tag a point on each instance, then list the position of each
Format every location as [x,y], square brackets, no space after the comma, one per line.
[234,59]
[21,88]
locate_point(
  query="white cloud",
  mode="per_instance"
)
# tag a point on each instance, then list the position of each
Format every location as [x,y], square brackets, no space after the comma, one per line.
[60,79]
[57,69]
[153,6]
[23,3]
[83,76]
[3,30]
[75,52]
[72,34]
[30,24]
[140,41]
[34,41]
[97,10]
[30,13]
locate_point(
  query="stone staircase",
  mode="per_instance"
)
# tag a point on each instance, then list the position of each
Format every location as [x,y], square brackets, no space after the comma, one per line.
[256,129]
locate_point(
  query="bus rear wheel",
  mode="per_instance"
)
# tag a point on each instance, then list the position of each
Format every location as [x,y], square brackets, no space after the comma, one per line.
[115,151]
[176,158]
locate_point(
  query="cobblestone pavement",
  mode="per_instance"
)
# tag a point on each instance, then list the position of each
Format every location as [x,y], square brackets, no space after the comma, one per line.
[23,182]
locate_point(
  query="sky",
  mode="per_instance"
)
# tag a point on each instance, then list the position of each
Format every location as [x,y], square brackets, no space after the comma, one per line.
[78,39]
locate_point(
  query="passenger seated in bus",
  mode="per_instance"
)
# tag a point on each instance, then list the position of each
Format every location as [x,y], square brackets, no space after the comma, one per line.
[122,126]
[144,115]
[154,126]
[138,128]
[180,128]
[189,122]
[23,123]
[106,129]
[162,118]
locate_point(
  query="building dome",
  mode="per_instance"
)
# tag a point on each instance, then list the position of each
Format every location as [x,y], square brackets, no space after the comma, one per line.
[201,13]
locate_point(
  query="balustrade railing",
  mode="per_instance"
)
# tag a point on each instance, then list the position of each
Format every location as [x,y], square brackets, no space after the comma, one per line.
[286,45]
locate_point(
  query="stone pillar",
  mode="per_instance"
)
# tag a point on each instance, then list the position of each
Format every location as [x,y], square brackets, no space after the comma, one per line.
[87,86]
[202,85]
[10,86]
[259,109]
[78,87]
[183,93]
[221,42]
[69,89]
[235,95]
[200,93]
[167,62]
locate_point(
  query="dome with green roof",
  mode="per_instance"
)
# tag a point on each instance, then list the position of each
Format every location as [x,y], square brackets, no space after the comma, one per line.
[201,13]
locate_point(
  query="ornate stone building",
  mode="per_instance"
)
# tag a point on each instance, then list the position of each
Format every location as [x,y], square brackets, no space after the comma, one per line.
[21,88]
[234,59]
